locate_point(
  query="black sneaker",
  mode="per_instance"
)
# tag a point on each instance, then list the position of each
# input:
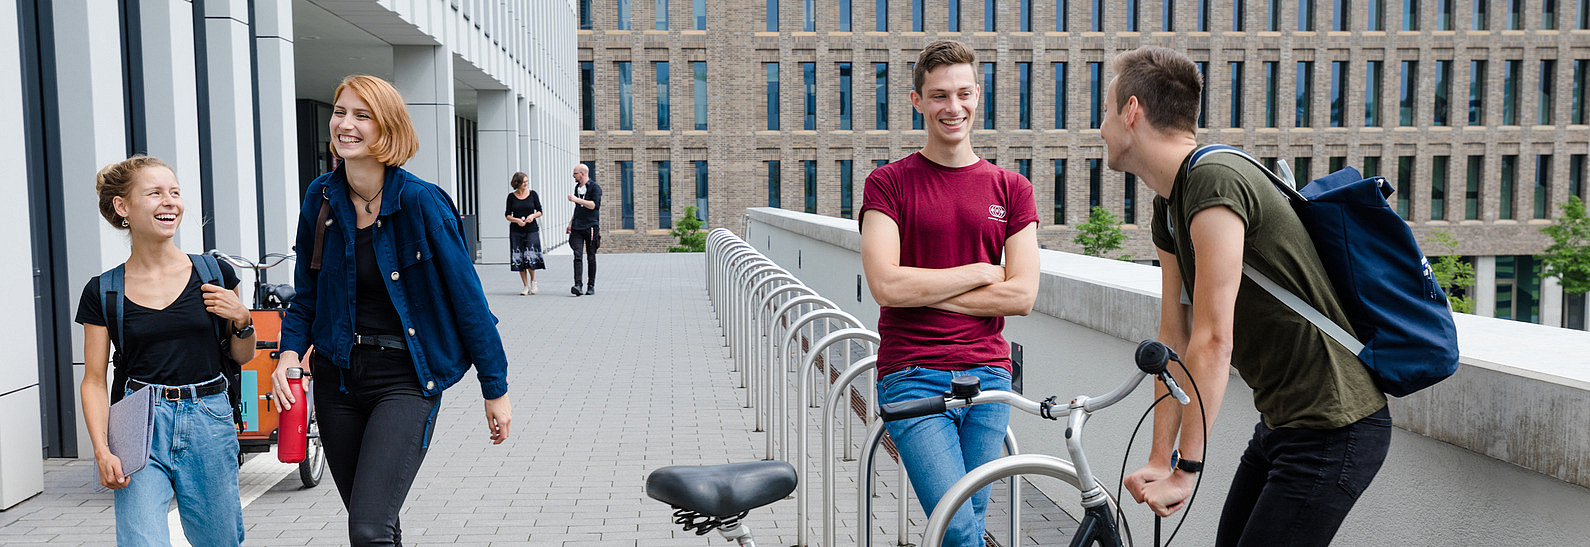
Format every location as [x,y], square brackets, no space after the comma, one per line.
[575,290]
[590,290]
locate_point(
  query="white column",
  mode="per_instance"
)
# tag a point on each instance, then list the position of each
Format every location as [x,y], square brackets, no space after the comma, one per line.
[170,92]
[522,110]
[424,75]
[278,125]
[1485,286]
[231,148]
[496,161]
[1550,302]
[21,437]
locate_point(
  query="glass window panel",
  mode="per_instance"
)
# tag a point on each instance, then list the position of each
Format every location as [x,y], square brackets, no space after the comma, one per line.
[1410,82]
[1443,93]
[810,168]
[1238,15]
[1471,188]
[626,95]
[1576,114]
[1548,84]
[661,12]
[775,189]
[585,14]
[1443,14]
[587,96]
[844,15]
[1271,84]
[1376,17]
[1305,15]
[623,14]
[1576,174]
[808,15]
[1062,22]
[880,93]
[844,96]
[1438,176]
[1095,182]
[700,90]
[954,22]
[1543,186]
[1273,22]
[990,80]
[772,15]
[1476,92]
[846,188]
[916,15]
[1511,79]
[1129,208]
[1372,166]
[1024,84]
[1236,93]
[665,214]
[1338,93]
[1515,14]
[701,191]
[1482,14]
[1059,191]
[1404,184]
[990,16]
[1410,14]
[1024,16]
[698,11]
[663,107]
[809,77]
[1060,95]
[1305,94]
[1097,16]
[1203,16]
[881,12]
[1507,186]
[772,96]
[626,194]
[1167,16]
[1095,94]
[1203,98]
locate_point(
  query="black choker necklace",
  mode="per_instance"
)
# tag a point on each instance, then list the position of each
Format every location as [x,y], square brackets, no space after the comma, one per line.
[367,200]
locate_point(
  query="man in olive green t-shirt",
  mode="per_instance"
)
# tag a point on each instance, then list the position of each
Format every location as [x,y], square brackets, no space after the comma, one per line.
[1324,429]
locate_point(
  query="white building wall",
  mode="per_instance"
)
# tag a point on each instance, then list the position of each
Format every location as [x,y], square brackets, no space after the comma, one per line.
[231,147]
[170,93]
[21,470]
[278,125]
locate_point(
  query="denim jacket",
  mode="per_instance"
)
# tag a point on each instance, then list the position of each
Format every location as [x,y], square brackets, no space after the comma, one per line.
[431,280]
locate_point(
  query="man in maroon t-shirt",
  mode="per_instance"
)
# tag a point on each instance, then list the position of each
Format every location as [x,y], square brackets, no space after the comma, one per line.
[934,228]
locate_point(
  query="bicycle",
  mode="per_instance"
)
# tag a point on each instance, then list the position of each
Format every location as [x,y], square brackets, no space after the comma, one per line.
[259,420]
[1098,525]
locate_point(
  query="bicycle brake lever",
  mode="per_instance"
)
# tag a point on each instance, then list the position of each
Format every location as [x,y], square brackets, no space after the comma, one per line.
[1175,390]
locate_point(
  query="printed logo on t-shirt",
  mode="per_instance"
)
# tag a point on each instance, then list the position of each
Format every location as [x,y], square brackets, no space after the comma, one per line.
[996,212]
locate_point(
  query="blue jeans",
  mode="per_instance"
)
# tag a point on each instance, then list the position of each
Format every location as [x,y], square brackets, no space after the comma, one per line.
[1295,486]
[938,450]
[192,456]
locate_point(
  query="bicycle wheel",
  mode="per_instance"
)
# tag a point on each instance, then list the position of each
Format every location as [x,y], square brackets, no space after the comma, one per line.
[313,468]
[988,473]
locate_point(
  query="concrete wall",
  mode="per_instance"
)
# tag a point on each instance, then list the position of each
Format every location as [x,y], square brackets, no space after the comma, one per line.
[21,470]
[1507,401]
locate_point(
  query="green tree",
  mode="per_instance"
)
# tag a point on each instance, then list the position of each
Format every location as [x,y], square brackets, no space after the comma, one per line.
[1568,257]
[1452,273]
[1101,234]
[688,231]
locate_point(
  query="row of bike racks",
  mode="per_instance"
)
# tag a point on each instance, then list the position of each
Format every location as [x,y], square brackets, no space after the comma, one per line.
[755,299]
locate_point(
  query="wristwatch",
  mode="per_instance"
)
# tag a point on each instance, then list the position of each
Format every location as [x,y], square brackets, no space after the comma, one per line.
[1184,464]
[244,332]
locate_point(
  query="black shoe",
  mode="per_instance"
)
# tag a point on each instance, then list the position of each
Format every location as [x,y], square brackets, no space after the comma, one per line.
[575,290]
[590,290]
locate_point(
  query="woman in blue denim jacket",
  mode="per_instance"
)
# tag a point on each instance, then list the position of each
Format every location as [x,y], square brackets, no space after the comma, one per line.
[391,303]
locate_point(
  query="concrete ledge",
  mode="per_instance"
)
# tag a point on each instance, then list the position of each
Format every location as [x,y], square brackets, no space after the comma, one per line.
[1520,394]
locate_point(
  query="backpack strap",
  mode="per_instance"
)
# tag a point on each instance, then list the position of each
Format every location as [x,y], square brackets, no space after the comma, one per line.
[210,274]
[111,287]
[1284,181]
[321,222]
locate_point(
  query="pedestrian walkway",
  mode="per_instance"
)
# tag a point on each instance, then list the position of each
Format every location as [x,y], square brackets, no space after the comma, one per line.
[605,389]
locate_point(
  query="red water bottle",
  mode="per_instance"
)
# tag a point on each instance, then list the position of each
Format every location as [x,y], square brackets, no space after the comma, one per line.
[292,433]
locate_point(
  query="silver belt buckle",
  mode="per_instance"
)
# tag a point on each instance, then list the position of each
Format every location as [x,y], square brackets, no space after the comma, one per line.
[171,394]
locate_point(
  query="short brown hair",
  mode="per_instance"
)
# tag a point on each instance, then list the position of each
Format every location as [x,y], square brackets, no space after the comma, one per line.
[937,54]
[116,180]
[1166,83]
[518,180]
[397,142]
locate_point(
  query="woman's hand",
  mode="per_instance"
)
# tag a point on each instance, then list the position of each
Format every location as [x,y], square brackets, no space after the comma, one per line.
[225,304]
[279,390]
[498,414]
[110,471]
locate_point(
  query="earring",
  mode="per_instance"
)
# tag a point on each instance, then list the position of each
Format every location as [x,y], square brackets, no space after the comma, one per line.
[124,223]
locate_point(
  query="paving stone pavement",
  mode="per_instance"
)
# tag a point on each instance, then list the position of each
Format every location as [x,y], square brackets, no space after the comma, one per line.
[605,389]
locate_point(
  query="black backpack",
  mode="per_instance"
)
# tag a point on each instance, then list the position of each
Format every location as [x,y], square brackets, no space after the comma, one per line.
[111,288]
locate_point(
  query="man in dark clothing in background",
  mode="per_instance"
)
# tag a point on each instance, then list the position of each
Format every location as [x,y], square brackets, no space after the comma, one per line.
[583,235]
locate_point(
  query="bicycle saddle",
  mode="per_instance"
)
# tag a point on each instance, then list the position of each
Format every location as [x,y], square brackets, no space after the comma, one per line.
[722,490]
[278,295]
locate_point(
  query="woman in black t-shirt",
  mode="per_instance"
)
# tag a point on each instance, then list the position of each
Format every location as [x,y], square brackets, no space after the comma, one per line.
[524,235]
[167,341]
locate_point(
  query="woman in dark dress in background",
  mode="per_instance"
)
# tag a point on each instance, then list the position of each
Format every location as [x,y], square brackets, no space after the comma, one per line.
[524,233]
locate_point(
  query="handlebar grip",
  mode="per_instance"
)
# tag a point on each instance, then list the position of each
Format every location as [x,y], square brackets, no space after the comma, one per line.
[914,408]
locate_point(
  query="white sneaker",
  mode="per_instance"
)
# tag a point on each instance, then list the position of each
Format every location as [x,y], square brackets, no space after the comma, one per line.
[525,291]
[534,288]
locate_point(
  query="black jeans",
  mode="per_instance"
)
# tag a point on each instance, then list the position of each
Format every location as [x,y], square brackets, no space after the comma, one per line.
[584,244]
[375,436]
[1295,486]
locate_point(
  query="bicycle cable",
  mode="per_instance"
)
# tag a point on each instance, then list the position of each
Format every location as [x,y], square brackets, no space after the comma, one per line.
[1120,514]
[1202,417]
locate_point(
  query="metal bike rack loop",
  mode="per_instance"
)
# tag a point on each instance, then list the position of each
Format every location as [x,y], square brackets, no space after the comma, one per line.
[765,326]
[740,307]
[836,396]
[802,499]
[775,357]
[864,484]
[817,347]
[1007,467]
[752,334]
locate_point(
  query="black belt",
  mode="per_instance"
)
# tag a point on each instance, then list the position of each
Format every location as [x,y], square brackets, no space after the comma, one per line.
[388,341]
[177,393]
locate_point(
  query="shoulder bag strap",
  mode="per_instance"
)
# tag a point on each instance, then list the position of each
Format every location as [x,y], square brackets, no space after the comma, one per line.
[320,232]
[110,297]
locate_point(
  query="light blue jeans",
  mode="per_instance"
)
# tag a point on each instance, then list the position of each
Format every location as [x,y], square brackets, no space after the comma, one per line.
[192,456]
[938,450]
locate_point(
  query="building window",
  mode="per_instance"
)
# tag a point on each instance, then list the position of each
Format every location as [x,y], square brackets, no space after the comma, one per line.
[1443,93]
[1059,191]
[810,167]
[1095,182]
[1024,16]
[844,15]
[1337,163]
[626,96]
[1548,15]
[1482,15]
[699,89]
[1273,22]
[665,213]
[1305,15]
[916,15]
[1543,186]
[1097,16]
[1024,168]
[845,110]
[1506,187]
[1129,208]
[626,194]
[661,11]
[1270,91]
[1443,14]
[1372,86]
[663,106]
[1584,14]
[1024,85]
[880,11]
[989,81]
[954,23]
[1518,288]
[1404,184]
[1203,16]
[1515,14]
[623,14]
[1167,15]
[698,11]
[1410,14]
[1062,21]
[1236,93]
[1341,13]
[880,93]
[1438,175]
[1548,84]
[1203,97]
[809,76]
[1371,166]
[1476,92]
[1576,166]
[846,188]
[990,16]
[1580,68]
[1095,94]
[774,190]
[1510,80]
[1305,94]
[1060,95]
[1410,83]
[772,96]
[1376,18]
[1238,16]
[1471,188]
[808,16]
[772,15]
[1338,93]
[916,115]
[1303,169]
[587,96]
[585,14]
[701,191]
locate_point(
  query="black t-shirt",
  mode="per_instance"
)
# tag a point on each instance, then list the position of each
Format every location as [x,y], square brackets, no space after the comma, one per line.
[373,310]
[585,219]
[520,208]
[172,346]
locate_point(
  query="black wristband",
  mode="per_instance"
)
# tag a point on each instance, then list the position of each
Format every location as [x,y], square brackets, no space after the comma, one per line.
[1190,466]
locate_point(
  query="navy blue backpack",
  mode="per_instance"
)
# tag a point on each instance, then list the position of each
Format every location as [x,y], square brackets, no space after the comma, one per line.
[1406,335]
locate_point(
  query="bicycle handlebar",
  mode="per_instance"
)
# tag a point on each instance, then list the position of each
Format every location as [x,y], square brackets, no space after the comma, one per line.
[249,264]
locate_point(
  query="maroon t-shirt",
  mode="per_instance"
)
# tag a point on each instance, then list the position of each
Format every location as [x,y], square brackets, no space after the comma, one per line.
[948,217]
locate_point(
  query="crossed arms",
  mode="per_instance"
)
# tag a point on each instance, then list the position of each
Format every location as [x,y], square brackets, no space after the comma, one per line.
[978,289]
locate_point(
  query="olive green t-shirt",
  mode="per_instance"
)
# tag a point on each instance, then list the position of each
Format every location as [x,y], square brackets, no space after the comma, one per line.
[1300,377]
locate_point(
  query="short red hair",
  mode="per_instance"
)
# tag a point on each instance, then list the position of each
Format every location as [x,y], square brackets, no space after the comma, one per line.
[397,142]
